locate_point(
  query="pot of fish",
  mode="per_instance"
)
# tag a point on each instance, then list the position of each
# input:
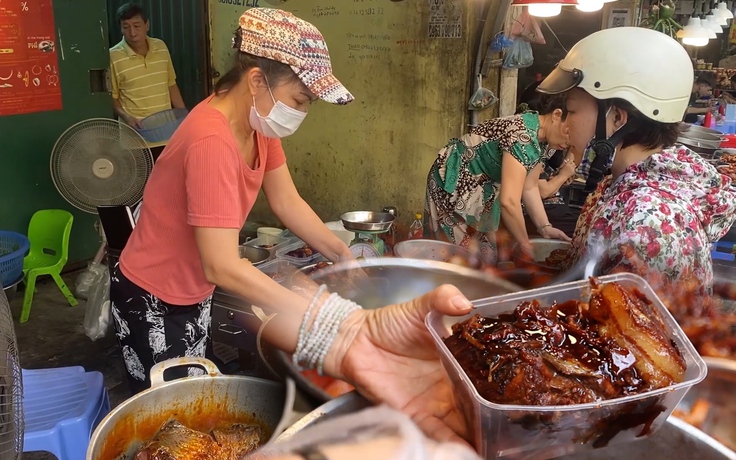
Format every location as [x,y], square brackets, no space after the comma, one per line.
[205,416]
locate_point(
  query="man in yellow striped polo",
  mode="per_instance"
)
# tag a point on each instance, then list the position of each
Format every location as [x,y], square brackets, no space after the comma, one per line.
[143,77]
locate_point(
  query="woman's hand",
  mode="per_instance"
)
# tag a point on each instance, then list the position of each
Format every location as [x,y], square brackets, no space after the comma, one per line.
[554,234]
[390,357]
[568,168]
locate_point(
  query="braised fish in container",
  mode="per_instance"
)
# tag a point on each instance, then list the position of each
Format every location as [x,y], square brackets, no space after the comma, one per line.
[210,416]
[566,368]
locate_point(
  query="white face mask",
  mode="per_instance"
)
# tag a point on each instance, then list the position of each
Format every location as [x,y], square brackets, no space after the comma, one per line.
[281,121]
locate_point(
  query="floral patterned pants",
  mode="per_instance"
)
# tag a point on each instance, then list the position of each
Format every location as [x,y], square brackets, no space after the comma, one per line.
[150,331]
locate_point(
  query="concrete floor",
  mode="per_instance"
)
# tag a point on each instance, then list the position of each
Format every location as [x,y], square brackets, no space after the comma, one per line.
[54,337]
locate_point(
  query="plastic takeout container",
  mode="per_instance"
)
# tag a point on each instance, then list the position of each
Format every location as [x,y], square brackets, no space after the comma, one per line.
[299,262]
[279,270]
[275,242]
[505,431]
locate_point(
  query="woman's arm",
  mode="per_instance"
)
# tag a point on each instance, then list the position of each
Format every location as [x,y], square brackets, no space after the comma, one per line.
[535,208]
[513,176]
[223,267]
[298,216]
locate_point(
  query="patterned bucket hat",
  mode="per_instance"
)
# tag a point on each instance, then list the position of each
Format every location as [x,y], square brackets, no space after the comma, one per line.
[281,36]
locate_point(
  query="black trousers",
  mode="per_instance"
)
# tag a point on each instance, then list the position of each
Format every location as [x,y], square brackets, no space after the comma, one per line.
[150,330]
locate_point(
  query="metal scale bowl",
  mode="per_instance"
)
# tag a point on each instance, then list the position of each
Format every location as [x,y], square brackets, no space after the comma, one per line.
[367,226]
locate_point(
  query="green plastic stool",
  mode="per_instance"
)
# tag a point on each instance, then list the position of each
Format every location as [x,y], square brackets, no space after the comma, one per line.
[48,233]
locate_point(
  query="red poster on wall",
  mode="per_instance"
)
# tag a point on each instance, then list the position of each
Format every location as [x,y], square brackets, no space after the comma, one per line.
[29,65]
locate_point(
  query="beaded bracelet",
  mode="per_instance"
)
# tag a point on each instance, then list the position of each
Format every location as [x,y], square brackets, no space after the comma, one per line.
[315,340]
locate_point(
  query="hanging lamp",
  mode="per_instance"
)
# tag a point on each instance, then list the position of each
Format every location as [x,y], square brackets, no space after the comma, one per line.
[723,11]
[712,23]
[694,34]
[544,8]
[706,25]
[589,6]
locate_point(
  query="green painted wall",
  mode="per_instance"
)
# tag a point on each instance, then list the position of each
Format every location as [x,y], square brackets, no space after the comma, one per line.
[26,140]
[411,95]
[182,25]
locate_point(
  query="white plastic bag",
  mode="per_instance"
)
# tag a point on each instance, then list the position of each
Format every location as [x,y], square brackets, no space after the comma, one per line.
[97,316]
[87,279]
[365,429]
[482,98]
[519,55]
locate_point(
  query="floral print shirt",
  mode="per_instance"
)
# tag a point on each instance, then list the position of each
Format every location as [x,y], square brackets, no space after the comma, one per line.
[658,219]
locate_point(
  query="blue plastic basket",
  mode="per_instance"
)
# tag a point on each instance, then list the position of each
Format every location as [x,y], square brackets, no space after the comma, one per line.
[160,126]
[13,249]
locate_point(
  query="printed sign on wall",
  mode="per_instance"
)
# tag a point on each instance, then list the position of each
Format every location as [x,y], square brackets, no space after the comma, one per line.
[29,65]
[445,19]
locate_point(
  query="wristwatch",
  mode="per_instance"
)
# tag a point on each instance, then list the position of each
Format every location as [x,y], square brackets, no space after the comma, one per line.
[311,453]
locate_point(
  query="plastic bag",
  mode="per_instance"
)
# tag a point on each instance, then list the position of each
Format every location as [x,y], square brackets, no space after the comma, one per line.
[519,55]
[363,430]
[525,26]
[87,279]
[482,98]
[500,42]
[97,316]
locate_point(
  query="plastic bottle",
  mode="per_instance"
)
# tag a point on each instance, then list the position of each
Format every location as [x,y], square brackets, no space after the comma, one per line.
[416,230]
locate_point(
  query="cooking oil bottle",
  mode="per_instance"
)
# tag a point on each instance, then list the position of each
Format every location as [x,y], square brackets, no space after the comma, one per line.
[416,230]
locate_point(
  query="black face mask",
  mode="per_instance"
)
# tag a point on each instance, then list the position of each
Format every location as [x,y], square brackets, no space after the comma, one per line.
[604,147]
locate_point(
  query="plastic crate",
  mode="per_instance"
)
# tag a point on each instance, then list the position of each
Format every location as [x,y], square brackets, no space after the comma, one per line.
[13,249]
[496,428]
[160,126]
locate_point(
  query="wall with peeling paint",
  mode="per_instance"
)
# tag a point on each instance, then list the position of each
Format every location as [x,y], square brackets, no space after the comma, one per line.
[27,140]
[411,95]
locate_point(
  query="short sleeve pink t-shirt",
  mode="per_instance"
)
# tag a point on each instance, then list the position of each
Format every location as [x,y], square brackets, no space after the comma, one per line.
[200,180]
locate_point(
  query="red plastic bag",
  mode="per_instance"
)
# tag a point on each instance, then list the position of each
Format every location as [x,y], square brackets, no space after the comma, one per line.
[526,26]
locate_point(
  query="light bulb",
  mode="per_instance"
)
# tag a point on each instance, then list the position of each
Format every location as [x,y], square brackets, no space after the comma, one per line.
[545,10]
[589,6]
[694,34]
[695,41]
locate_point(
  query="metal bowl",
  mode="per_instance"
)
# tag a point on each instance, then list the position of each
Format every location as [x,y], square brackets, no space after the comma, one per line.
[367,221]
[704,146]
[389,281]
[697,132]
[717,390]
[255,255]
[675,440]
[439,251]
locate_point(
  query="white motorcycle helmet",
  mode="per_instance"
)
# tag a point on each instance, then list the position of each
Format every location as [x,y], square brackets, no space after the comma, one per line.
[646,68]
[643,67]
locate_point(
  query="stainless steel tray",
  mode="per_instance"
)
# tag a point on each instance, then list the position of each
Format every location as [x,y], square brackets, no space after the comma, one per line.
[676,440]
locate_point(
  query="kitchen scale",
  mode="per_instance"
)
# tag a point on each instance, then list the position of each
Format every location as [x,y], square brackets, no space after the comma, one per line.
[367,226]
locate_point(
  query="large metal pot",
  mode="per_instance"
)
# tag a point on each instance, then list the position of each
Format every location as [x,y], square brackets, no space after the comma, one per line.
[717,390]
[675,440]
[439,251]
[391,281]
[197,402]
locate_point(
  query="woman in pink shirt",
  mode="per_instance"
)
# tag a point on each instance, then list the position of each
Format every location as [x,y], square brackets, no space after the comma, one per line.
[197,199]
[204,186]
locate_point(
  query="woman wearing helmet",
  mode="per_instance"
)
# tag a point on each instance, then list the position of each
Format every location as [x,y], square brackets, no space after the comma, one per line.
[661,206]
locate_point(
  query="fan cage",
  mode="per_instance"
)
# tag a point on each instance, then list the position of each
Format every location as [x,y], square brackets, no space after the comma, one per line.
[107,142]
[11,387]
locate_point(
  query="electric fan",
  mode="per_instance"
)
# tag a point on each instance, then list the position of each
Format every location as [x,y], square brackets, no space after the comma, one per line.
[11,387]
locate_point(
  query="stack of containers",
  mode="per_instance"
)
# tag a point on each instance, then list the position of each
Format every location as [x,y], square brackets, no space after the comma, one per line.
[298,262]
